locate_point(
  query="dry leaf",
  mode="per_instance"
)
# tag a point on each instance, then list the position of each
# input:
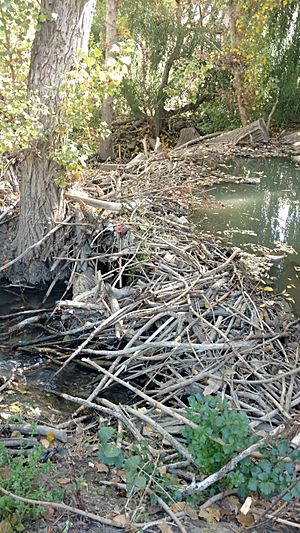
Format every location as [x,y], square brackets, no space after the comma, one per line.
[266,289]
[44,441]
[122,474]
[5,527]
[179,507]
[120,519]
[147,430]
[162,470]
[101,468]
[64,480]
[246,505]
[165,528]
[5,473]
[210,514]
[50,436]
[14,408]
[212,386]
[245,520]
[233,504]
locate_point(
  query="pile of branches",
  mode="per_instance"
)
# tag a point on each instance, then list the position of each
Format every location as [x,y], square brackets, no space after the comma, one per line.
[162,314]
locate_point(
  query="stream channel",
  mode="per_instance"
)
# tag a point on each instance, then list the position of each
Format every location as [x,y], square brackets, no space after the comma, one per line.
[260,217]
[251,217]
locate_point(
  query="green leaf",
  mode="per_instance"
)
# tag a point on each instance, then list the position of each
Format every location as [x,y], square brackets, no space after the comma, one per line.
[105,433]
[252,485]
[90,61]
[140,482]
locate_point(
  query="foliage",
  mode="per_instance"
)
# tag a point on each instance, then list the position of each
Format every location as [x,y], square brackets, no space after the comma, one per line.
[222,434]
[265,52]
[163,71]
[141,470]
[72,133]
[22,476]
[109,453]
[19,114]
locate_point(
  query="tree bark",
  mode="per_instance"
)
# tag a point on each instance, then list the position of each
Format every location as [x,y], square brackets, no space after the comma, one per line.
[106,150]
[65,30]
[254,133]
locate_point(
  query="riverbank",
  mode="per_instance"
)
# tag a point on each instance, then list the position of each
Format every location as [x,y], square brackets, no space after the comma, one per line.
[161,313]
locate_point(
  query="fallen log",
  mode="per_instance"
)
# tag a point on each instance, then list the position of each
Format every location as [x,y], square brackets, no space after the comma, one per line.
[256,132]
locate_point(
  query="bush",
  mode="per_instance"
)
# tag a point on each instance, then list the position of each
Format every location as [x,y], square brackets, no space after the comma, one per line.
[221,435]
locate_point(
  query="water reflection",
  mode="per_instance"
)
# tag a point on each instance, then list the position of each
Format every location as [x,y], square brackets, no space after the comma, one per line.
[267,214]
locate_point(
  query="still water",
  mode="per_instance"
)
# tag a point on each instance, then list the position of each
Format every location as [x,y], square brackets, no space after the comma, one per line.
[254,217]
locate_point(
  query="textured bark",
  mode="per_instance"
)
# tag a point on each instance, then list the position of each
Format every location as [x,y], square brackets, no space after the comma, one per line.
[53,53]
[106,150]
[253,133]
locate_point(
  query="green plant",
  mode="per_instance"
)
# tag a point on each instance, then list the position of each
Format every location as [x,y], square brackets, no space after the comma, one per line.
[109,453]
[221,434]
[141,470]
[22,476]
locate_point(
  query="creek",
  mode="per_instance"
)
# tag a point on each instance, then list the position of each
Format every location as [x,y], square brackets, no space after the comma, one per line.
[260,217]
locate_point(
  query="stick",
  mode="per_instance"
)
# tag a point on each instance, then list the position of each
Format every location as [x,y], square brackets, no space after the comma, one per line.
[97,330]
[153,402]
[93,202]
[40,430]
[62,506]
[171,514]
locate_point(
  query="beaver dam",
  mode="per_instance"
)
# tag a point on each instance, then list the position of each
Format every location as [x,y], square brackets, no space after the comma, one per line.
[160,313]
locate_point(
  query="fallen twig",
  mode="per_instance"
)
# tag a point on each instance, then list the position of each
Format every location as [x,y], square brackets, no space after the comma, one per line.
[63,507]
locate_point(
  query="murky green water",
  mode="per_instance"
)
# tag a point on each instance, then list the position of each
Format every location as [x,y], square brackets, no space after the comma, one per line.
[257,216]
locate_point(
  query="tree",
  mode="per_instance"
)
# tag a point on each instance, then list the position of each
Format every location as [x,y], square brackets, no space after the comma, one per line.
[64,27]
[166,35]
[106,145]
[237,66]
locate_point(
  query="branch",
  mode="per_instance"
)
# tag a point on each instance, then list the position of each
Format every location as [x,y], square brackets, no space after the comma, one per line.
[62,506]
[93,202]
[271,115]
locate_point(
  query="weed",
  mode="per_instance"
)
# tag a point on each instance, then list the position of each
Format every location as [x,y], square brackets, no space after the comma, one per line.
[22,475]
[221,434]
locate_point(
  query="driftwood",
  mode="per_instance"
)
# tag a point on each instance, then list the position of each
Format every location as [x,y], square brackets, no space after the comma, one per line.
[27,429]
[94,202]
[256,132]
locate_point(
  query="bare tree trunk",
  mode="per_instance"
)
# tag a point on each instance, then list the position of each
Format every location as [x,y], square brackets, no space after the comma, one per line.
[237,69]
[106,149]
[56,43]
